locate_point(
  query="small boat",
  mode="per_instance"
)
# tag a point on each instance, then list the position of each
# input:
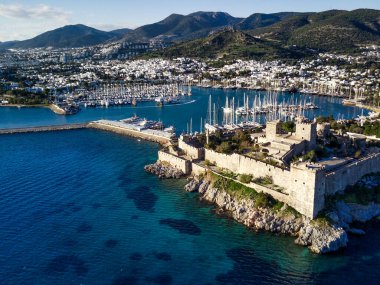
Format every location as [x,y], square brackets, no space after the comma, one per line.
[159,101]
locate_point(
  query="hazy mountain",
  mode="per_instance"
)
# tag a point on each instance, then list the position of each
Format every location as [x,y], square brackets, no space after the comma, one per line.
[121,32]
[67,37]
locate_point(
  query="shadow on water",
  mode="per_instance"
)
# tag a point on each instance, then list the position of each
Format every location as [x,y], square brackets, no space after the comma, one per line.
[164,256]
[161,279]
[96,205]
[111,243]
[136,256]
[84,227]
[63,263]
[69,243]
[183,226]
[143,198]
[125,280]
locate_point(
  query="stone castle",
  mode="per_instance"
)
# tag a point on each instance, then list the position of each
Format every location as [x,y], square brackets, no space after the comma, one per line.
[303,185]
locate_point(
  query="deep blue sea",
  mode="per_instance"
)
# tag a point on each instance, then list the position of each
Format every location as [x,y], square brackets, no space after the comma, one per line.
[76,207]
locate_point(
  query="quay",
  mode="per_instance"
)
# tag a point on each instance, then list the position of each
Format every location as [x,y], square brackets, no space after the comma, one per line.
[122,128]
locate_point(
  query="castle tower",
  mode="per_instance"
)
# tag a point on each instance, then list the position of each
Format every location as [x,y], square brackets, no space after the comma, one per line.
[273,128]
[307,132]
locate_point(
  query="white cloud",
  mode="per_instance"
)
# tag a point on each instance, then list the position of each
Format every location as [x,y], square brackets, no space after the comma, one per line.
[32,12]
[20,22]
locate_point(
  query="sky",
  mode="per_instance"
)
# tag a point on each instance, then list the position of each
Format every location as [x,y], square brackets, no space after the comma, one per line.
[23,19]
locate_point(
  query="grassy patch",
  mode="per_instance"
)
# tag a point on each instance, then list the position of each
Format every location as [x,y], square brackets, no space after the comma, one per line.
[240,191]
[245,178]
[267,180]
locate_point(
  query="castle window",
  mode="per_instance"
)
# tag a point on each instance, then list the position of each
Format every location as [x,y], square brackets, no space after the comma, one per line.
[303,129]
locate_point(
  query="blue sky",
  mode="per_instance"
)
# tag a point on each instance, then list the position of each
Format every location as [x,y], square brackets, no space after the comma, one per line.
[22,19]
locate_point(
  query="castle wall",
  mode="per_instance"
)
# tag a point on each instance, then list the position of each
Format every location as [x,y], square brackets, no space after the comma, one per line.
[175,161]
[197,169]
[349,174]
[307,189]
[303,188]
[276,195]
[193,152]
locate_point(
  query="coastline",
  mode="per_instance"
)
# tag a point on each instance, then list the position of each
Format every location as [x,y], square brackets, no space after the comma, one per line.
[322,235]
[371,108]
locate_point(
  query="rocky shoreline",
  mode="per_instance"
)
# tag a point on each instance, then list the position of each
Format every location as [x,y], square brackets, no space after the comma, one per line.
[164,170]
[319,237]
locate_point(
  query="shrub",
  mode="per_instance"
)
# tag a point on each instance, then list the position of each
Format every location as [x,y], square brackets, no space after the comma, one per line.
[244,178]
[277,206]
[289,127]
[262,200]
[264,180]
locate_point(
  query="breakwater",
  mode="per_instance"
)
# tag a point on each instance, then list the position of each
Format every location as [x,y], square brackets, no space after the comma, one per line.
[43,129]
[157,136]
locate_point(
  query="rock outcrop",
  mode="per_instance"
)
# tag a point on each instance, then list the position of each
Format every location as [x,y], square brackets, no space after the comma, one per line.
[319,238]
[346,213]
[163,170]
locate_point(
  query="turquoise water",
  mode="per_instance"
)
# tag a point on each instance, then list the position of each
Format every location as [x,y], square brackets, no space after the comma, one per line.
[76,207]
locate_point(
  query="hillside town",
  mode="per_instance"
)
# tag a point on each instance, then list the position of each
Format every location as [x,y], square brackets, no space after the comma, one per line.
[45,70]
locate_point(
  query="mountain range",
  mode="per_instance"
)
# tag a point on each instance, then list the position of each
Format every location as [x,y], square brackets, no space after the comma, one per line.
[332,30]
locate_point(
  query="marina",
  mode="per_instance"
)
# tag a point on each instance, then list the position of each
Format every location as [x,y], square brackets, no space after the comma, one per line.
[195,107]
[107,95]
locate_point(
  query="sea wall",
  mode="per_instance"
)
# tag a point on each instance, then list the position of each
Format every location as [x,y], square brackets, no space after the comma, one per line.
[351,173]
[175,161]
